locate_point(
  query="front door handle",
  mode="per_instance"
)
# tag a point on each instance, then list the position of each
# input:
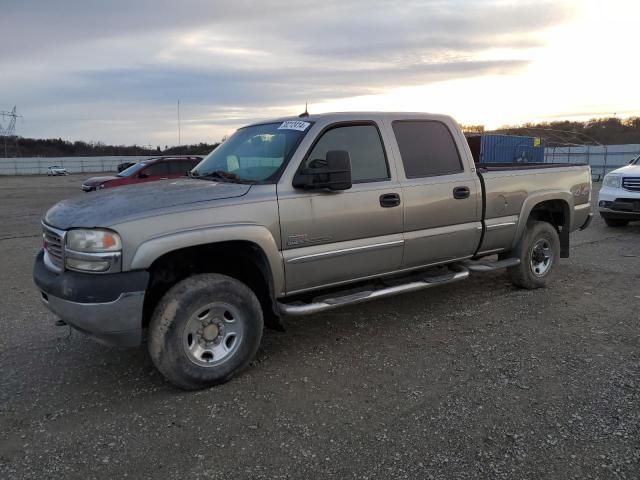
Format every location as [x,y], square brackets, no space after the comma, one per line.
[461,192]
[389,200]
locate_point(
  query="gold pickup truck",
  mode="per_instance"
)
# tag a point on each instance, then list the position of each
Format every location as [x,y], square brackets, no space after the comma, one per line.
[295,216]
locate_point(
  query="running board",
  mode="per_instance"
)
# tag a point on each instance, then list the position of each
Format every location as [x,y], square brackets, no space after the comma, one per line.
[481,266]
[301,308]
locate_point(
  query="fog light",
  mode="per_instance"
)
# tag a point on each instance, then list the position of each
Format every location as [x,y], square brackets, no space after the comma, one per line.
[88,265]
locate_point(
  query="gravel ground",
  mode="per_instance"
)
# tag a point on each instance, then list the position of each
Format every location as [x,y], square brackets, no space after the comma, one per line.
[472,380]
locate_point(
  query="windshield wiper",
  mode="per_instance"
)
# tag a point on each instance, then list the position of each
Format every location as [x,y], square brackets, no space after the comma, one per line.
[222,175]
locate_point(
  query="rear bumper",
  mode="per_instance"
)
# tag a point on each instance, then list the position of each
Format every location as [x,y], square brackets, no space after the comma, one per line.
[587,222]
[106,307]
[582,216]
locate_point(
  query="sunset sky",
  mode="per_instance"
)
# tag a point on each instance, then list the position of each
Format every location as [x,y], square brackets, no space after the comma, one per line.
[114,71]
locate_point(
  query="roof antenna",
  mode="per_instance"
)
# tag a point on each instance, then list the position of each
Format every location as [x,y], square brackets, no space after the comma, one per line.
[305,113]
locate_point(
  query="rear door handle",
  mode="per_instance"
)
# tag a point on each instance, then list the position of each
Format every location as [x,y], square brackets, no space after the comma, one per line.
[389,200]
[461,192]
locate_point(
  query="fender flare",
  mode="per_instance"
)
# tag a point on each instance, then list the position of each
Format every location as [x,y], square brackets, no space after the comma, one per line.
[149,251]
[535,199]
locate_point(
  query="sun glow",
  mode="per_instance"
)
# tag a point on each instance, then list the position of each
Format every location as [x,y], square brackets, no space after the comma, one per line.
[584,69]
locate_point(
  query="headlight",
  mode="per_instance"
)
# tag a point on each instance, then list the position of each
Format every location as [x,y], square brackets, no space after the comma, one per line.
[93,250]
[612,180]
[93,241]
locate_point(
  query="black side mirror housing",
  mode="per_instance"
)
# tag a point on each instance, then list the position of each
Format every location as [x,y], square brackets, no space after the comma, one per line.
[143,175]
[332,173]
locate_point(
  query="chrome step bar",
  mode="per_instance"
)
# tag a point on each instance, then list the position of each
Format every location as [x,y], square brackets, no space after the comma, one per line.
[488,265]
[300,308]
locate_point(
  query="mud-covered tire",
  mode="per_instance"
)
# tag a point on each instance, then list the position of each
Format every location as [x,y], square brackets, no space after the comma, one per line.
[178,352]
[615,222]
[539,239]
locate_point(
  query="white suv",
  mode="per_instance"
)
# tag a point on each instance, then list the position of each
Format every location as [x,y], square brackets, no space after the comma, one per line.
[619,198]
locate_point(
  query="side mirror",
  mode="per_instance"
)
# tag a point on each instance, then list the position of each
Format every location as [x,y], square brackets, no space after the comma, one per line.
[333,173]
[143,175]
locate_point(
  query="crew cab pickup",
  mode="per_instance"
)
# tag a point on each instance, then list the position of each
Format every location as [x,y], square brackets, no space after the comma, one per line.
[296,216]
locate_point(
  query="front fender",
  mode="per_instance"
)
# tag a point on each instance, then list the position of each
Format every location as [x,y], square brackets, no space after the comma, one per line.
[152,249]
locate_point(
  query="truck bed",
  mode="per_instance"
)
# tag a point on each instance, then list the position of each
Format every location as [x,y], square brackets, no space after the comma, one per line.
[511,190]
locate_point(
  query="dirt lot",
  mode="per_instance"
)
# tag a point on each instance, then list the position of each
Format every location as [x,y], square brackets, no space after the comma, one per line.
[472,380]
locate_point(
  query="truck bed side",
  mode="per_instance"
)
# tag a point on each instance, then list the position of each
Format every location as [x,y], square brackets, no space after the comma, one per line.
[558,193]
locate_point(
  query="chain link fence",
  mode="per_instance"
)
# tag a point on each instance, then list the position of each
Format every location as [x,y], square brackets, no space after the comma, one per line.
[602,158]
[39,165]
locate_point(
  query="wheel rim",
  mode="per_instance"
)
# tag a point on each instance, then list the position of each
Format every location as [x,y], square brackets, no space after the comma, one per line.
[213,334]
[541,257]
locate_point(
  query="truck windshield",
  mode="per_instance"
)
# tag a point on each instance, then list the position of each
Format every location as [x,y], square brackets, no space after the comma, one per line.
[253,154]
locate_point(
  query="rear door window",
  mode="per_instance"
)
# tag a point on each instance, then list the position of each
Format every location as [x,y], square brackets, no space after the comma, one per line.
[157,169]
[427,148]
[180,167]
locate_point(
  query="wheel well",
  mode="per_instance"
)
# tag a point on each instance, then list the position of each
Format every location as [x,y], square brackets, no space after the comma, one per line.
[242,260]
[557,213]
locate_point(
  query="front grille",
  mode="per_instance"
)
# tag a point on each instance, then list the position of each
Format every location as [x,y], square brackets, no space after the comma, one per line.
[631,183]
[53,245]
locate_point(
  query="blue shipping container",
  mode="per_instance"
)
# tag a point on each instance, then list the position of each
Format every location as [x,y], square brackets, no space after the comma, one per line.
[492,148]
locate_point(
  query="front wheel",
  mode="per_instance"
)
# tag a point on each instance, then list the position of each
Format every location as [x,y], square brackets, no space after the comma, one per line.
[205,330]
[539,252]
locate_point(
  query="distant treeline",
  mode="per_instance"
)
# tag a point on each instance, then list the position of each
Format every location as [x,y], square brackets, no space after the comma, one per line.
[606,131]
[57,147]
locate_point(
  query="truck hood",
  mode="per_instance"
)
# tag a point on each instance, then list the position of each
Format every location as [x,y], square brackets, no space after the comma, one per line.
[628,170]
[111,206]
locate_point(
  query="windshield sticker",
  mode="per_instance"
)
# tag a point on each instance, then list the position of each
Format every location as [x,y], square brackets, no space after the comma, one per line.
[294,125]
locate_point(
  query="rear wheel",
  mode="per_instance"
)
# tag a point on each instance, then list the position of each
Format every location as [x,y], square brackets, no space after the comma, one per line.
[205,330]
[539,252]
[615,222]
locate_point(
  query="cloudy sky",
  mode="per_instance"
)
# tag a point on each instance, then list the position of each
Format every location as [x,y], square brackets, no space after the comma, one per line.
[113,71]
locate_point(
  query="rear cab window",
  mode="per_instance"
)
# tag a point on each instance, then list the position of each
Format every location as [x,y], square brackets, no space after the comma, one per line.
[427,148]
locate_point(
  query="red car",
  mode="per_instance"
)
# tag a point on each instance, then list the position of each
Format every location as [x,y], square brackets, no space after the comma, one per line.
[150,170]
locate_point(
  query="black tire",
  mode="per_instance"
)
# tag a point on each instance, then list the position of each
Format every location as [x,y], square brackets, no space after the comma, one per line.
[615,222]
[530,250]
[174,315]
